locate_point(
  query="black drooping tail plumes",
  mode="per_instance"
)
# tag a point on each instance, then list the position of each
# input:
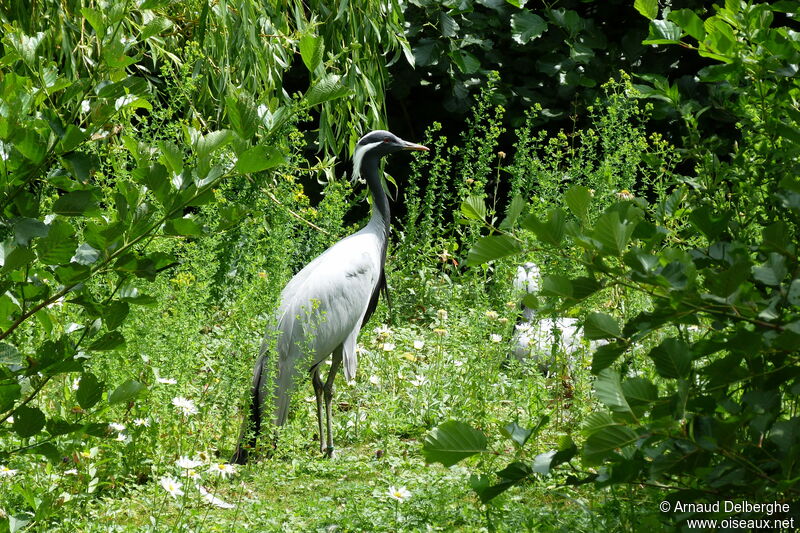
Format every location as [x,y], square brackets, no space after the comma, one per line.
[252,423]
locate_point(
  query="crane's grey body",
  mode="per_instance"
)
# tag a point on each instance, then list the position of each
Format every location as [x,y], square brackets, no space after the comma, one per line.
[324,306]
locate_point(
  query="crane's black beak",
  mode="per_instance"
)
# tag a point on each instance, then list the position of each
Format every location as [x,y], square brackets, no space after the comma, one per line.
[417,147]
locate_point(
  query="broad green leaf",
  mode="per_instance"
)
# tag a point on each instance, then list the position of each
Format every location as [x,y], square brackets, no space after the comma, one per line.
[601,326]
[608,389]
[578,199]
[639,392]
[109,341]
[555,285]
[9,355]
[605,441]
[648,8]
[551,230]
[90,391]
[211,142]
[605,356]
[80,165]
[474,208]
[329,88]
[58,426]
[483,487]
[26,46]
[689,22]
[156,26]
[114,314]
[85,255]
[59,246]
[125,392]
[183,226]
[26,229]
[772,271]
[663,32]
[9,394]
[259,158]
[492,247]
[311,51]
[28,421]
[794,293]
[512,213]
[526,26]
[243,115]
[516,433]
[451,442]
[77,203]
[672,358]
[613,232]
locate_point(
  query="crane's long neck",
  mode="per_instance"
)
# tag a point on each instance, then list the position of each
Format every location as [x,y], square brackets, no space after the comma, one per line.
[380,203]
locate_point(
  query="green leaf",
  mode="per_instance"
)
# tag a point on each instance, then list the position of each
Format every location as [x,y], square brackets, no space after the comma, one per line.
[516,433]
[555,285]
[474,208]
[156,26]
[90,391]
[28,421]
[639,392]
[58,426]
[80,165]
[772,271]
[663,32]
[608,389]
[605,441]
[526,26]
[690,22]
[77,203]
[109,341]
[26,229]
[9,394]
[183,226]
[601,326]
[9,355]
[211,142]
[648,8]
[85,255]
[613,230]
[512,213]
[492,247]
[451,442]
[311,51]
[794,293]
[115,314]
[259,158]
[605,356]
[329,88]
[60,244]
[672,358]
[550,231]
[125,392]
[578,199]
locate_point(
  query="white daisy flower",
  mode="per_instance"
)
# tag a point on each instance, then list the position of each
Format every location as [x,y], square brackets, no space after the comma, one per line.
[491,315]
[6,471]
[375,380]
[172,486]
[388,346]
[400,494]
[494,337]
[71,472]
[116,427]
[213,500]
[186,406]
[418,344]
[186,463]
[167,381]
[222,469]
[141,422]
[418,380]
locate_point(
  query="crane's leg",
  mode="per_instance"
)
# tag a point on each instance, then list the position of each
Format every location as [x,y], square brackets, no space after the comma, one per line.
[316,381]
[328,390]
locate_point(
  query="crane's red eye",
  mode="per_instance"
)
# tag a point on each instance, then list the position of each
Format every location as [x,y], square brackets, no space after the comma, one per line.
[386,139]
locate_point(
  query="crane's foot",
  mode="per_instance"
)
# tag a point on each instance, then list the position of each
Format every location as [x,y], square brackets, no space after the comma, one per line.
[328,452]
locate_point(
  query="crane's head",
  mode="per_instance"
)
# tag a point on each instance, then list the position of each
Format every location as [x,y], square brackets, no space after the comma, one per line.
[380,143]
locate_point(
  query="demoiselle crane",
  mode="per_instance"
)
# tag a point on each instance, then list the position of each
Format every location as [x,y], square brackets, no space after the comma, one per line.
[323,307]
